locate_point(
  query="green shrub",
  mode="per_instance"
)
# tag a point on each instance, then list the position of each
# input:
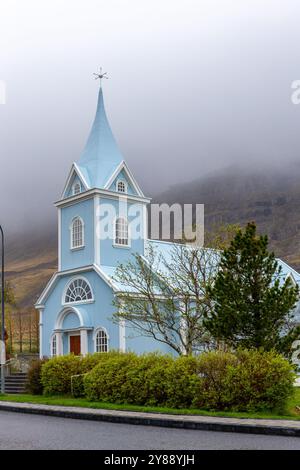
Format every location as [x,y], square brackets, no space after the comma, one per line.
[57,372]
[241,381]
[34,384]
[260,381]
[244,381]
[105,381]
[212,369]
[77,386]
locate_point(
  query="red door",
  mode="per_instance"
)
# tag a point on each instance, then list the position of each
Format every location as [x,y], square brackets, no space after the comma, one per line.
[75,345]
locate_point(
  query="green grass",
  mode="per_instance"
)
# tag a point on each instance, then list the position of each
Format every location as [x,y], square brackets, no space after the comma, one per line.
[290,412]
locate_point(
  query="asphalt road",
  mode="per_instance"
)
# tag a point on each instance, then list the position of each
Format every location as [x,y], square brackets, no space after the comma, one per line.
[25,431]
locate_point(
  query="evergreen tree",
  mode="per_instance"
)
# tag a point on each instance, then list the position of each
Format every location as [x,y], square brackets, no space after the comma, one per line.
[253,303]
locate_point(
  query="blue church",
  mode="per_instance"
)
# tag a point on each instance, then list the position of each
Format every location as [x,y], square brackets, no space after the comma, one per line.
[76,306]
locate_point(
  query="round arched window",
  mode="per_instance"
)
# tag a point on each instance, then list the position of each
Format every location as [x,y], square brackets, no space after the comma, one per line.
[78,291]
[101,341]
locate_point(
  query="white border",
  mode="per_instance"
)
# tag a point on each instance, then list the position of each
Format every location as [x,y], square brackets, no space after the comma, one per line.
[97,329]
[71,233]
[67,304]
[120,167]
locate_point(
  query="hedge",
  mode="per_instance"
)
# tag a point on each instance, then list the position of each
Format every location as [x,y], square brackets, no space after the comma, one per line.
[242,381]
[57,372]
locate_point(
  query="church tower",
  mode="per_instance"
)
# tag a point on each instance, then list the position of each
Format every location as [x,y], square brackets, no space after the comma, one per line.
[101,222]
[102,212]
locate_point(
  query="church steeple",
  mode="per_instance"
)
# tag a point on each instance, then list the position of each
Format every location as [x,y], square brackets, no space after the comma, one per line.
[101,155]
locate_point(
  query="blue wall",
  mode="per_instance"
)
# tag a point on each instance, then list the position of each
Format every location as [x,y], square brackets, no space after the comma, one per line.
[111,255]
[84,256]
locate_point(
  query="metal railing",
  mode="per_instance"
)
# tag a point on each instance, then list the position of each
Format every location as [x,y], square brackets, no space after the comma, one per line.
[16,364]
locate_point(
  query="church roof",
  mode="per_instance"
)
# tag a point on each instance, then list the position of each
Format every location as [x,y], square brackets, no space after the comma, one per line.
[101,156]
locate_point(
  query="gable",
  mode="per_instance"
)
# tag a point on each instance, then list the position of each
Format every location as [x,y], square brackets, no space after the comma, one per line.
[122,177]
[74,178]
[122,173]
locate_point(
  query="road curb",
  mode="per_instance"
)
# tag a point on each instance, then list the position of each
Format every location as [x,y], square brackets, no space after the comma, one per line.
[248,426]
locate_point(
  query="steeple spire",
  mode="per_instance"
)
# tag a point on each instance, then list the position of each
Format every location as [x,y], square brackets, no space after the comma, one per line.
[101,155]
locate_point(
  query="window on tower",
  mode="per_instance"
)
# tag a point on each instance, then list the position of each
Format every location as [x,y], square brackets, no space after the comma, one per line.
[121,187]
[121,232]
[76,188]
[77,233]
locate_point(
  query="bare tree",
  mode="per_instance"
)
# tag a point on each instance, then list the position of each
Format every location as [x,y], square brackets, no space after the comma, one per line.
[166,297]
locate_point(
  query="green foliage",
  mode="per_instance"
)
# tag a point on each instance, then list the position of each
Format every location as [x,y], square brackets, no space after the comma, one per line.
[34,384]
[57,372]
[248,380]
[77,385]
[244,381]
[252,309]
[260,381]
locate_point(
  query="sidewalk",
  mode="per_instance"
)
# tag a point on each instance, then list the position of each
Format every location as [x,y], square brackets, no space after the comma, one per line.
[250,426]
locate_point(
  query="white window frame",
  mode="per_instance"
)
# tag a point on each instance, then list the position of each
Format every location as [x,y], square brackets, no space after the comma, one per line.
[98,330]
[52,339]
[79,302]
[77,183]
[77,247]
[121,245]
[125,186]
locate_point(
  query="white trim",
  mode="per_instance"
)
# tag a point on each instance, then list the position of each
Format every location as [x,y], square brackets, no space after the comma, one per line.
[120,167]
[84,342]
[74,169]
[105,278]
[50,284]
[51,344]
[290,275]
[96,238]
[74,278]
[145,226]
[79,173]
[59,238]
[122,336]
[63,313]
[68,201]
[121,245]
[41,332]
[96,331]
[77,217]
[121,180]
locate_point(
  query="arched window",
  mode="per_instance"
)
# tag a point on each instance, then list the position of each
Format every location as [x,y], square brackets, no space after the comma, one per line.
[78,290]
[121,187]
[121,233]
[76,188]
[77,233]
[101,341]
[53,346]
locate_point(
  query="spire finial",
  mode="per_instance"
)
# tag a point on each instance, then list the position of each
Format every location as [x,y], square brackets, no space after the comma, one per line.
[100,76]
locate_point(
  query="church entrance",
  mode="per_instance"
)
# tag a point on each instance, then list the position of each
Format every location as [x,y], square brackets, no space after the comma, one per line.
[75,344]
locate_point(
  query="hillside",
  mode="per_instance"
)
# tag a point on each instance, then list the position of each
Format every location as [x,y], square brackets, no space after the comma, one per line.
[271,198]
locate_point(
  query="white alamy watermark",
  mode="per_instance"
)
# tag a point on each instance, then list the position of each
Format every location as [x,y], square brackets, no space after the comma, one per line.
[2,92]
[295,96]
[133,221]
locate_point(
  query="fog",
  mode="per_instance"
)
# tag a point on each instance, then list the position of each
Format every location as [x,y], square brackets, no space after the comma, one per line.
[194,86]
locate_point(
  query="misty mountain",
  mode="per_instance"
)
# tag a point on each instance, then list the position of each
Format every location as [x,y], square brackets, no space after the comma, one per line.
[268,196]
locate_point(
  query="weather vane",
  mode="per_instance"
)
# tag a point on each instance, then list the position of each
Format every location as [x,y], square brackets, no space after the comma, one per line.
[100,75]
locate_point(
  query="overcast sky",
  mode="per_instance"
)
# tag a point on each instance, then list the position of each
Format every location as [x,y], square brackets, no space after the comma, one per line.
[194,86]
